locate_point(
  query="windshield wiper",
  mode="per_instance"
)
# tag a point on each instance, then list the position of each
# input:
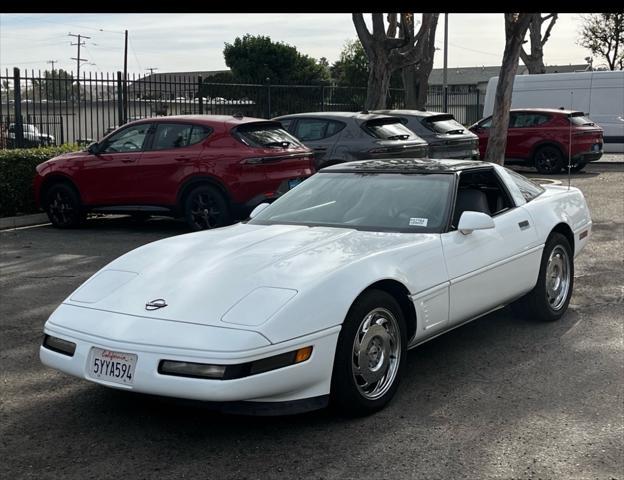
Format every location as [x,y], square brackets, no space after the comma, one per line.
[398,137]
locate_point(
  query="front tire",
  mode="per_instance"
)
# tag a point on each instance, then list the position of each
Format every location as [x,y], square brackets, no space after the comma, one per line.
[550,298]
[63,206]
[548,160]
[370,355]
[205,208]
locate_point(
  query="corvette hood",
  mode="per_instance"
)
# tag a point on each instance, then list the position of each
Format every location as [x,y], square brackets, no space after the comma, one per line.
[200,276]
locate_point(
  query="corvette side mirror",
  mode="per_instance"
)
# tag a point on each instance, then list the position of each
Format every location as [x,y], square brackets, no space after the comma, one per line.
[258,209]
[471,221]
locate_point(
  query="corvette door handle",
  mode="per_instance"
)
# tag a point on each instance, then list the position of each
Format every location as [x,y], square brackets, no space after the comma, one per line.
[524,224]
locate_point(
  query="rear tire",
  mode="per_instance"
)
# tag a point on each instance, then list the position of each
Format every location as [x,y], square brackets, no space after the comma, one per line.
[206,208]
[548,160]
[550,298]
[370,355]
[578,167]
[63,206]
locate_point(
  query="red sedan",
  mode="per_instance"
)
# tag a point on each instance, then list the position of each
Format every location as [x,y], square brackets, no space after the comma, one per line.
[540,137]
[210,169]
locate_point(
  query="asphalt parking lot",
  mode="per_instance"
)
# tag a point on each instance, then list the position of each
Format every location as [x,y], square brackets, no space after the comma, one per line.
[503,397]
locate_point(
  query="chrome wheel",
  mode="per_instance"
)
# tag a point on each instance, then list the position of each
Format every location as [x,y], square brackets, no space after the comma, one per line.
[376,353]
[557,277]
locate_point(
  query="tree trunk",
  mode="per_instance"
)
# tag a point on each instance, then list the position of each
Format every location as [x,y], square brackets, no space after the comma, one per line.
[411,86]
[378,86]
[416,78]
[516,26]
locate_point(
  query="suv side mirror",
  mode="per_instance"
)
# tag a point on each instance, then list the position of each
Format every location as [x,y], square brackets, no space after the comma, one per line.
[258,209]
[93,148]
[471,221]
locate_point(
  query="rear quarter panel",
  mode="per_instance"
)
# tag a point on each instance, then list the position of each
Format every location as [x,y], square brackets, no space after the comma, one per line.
[560,205]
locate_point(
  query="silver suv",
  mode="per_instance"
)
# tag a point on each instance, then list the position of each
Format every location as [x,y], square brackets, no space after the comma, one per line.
[447,138]
[338,137]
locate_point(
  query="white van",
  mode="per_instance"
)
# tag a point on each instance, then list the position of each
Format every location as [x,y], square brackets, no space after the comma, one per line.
[599,94]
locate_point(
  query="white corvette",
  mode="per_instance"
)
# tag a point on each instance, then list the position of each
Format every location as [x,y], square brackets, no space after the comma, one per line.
[318,297]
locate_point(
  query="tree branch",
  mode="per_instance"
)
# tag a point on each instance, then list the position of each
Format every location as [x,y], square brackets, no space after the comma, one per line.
[553,17]
[362,30]
[379,32]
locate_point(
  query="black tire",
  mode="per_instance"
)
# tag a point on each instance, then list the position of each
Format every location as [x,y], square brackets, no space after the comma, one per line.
[548,160]
[578,167]
[346,396]
[536,303]
[205,208]
[63,206]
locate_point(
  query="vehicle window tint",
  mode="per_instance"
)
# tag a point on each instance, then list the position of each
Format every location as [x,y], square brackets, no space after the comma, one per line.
[525,120]
[333,128]
[199,133]
[127,140]
[286,123]
[311,129]
[266,135]
[443,124]
[528,188]
[388,129]
[171,135]
[581,120]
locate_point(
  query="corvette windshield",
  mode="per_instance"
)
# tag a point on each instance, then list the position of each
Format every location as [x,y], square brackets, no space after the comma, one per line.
[365,201]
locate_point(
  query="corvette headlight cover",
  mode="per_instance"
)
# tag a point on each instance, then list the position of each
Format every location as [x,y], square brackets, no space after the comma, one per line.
[258,306]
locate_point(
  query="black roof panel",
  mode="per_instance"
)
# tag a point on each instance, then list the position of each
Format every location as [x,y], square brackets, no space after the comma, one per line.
[405,165]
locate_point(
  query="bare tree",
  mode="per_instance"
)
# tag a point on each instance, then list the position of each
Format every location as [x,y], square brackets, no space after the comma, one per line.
[516,26]
[535,59]
[386,53]
[603,34]
[416,77]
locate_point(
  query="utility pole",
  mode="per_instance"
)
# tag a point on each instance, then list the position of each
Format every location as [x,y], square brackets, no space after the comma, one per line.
[151,70]
[445,79]
[78,59]
[52,62]
[125,84]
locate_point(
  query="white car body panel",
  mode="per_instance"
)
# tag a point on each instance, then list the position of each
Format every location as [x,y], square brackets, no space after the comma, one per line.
[246,292]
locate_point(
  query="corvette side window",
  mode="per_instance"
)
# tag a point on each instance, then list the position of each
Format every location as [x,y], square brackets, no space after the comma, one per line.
[480,191]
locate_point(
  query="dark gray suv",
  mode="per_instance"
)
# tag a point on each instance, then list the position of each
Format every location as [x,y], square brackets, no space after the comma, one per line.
[338,137]
[447,138]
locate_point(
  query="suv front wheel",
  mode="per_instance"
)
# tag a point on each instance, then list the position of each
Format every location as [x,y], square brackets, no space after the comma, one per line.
[63,206]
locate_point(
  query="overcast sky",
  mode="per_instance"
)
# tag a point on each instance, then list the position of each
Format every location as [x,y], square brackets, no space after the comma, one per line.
[191,42]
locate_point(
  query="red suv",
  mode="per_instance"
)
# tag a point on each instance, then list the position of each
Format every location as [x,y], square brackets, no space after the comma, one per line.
[209,168]
[541,137]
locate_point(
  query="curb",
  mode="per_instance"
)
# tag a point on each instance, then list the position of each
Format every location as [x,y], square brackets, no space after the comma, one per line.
[23,221]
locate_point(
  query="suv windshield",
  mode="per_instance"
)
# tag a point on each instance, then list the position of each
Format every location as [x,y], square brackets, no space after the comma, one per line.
[443,124]
[388,129]
[266,135]
[365,201]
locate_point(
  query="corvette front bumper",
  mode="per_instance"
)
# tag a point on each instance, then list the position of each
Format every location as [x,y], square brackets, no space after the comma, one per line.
[308,380]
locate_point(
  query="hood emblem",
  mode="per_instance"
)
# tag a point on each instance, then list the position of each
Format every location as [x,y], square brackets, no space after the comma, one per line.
[156,304]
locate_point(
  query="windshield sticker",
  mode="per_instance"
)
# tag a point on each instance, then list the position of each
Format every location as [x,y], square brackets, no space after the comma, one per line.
[418,222]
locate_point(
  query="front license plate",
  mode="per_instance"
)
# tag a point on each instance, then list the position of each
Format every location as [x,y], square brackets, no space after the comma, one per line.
[112,366]
[293,183]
